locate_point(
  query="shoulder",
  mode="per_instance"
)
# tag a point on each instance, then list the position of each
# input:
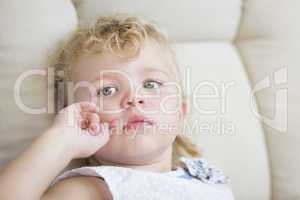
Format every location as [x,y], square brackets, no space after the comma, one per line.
[79,187]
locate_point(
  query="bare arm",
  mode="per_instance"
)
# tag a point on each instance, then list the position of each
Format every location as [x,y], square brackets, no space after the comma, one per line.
[31,173]
[79,188]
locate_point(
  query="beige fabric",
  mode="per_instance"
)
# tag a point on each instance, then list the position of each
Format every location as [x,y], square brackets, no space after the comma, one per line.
[269,44]
[230,136]
[29,33]
[183,20]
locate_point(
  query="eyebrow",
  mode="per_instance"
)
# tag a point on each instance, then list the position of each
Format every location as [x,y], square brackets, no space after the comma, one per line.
[147,69]
[151,69]
[106,76]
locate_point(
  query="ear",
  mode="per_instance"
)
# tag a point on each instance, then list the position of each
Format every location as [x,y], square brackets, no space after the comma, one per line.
[184,107]
[183,115]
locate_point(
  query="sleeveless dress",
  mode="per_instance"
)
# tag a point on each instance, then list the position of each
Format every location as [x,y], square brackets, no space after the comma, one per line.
[196,180]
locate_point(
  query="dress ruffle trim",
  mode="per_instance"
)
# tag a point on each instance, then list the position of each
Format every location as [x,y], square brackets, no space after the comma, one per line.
[200,169]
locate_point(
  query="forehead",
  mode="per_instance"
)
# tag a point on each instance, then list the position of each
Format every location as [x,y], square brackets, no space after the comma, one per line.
[153,58]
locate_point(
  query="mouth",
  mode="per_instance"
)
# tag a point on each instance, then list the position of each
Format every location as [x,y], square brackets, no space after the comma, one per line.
[132,123]
[136,122]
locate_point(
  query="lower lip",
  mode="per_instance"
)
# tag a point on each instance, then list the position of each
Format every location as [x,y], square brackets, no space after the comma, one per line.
[136,125]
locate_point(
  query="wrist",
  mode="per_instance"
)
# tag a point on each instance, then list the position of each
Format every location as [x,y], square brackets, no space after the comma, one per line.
[60,141]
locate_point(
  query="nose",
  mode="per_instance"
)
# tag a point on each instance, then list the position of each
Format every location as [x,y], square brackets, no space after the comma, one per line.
[132,98]
[133,102]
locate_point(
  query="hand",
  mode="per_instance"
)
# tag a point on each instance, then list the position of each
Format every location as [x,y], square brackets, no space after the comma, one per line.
[81,130]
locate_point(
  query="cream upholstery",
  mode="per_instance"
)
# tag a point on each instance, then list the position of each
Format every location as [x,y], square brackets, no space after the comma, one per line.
[242,136]
[189,14]
[232,44]
[268,43]
[29,34]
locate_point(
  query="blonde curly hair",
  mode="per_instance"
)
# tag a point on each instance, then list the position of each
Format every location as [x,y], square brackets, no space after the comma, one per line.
[123,36]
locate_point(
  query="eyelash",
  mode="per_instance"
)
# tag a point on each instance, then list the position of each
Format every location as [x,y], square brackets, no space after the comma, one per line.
[101,89]
[154,80]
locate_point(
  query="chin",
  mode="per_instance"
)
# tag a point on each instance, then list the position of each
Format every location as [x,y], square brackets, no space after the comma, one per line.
[139,150]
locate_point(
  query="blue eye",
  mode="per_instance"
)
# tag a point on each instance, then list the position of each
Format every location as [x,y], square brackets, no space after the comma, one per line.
[152,84]
[107,91]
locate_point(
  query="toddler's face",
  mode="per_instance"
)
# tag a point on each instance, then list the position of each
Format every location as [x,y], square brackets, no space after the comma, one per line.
[128,93]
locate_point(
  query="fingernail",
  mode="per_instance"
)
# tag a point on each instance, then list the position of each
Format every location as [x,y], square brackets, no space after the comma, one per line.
[95,129]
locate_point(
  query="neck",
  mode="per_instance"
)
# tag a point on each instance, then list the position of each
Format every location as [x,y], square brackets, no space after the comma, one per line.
[161,164]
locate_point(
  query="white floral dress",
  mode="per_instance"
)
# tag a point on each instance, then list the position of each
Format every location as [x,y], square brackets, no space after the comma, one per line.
[196,180]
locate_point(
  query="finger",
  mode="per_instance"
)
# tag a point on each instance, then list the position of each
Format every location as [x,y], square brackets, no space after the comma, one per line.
[94,129]
[87,106]
[100,129]
[93,122]
[90,117]
[84,124]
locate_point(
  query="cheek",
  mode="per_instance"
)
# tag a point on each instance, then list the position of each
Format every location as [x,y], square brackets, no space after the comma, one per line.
[152,105]
[170,115]
[170,104]
[108,105]
[169,125]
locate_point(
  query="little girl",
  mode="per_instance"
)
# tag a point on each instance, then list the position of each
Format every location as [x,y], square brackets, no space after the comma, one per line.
[123,116]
